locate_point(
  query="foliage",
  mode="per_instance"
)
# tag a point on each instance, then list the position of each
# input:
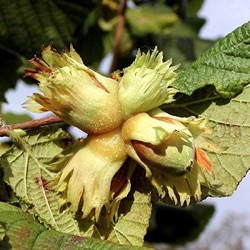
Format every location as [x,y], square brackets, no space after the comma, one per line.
[206,106]
[225,66]
[19,230]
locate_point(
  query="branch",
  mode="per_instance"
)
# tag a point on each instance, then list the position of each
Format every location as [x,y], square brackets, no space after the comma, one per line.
[30,124]
[118,35]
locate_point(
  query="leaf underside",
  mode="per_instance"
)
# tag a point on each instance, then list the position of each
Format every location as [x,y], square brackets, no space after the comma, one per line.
[25,172]
[230,124]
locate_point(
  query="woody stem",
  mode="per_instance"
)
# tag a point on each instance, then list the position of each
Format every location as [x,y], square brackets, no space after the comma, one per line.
[118,35]
[30,124]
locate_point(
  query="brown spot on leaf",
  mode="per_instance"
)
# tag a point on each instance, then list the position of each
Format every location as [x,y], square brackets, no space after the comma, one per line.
[42,182]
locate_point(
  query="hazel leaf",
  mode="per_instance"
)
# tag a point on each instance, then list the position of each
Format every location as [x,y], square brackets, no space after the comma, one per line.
[26,171]
[226,66]
[35,236]
[131,227]
[229,121]
[26,25]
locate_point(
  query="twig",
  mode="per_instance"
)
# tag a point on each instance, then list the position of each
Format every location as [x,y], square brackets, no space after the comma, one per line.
[30,124]
[118,35]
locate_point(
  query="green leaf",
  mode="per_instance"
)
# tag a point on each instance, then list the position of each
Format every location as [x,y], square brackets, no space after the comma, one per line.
[194,6]
[229,121]
[11,118]
[226,66]
[188,29]
[23,232]
[25,169]
[4,147]
[135,212]
[26,25]
[150,19]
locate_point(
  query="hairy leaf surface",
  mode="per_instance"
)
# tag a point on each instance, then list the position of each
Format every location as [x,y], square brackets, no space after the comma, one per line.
[135,221]
[229,121]
[23,232]
[26,172]
[134,216]
[226,66]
